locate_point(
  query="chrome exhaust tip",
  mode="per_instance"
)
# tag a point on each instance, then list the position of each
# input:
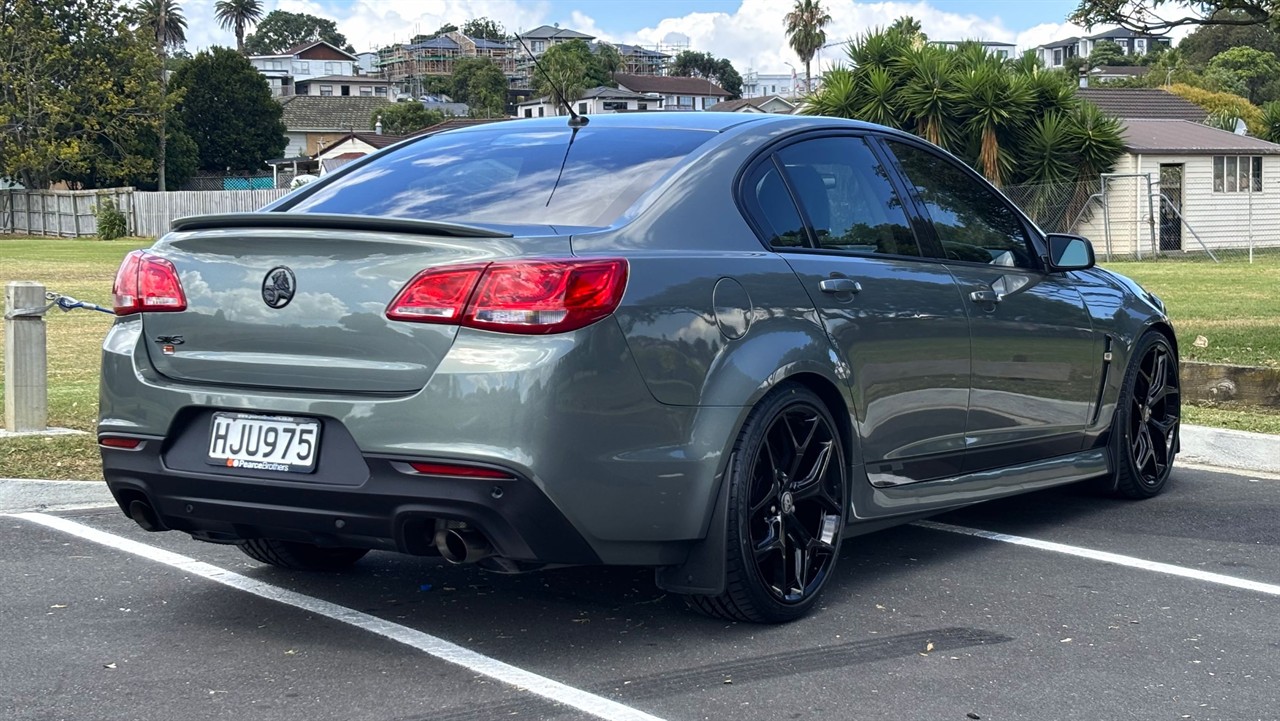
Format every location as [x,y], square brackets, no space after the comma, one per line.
[462,545]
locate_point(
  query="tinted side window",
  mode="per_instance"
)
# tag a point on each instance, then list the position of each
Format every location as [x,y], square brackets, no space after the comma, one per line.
[972,222]
[775,209]
[848,197]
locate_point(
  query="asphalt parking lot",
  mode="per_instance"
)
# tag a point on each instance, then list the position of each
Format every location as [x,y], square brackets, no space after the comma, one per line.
[921,623]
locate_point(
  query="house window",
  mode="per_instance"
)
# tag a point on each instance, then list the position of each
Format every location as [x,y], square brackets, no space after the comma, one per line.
[304,67]
[539,46]
[366,90]
[642,106]
[1057,57]
[1237,174]
[1142,45]
[326,90]
[528,112]
[615,105]
[380,91]
[542,111]
[582,108]
[330,68]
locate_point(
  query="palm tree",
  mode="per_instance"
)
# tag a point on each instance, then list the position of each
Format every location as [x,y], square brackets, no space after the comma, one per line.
[163,20]
[238,15]
[805,33]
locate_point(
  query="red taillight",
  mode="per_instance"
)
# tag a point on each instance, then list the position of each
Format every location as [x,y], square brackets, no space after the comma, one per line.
[117,442]
[530,297]
[449,469]
[147,283]
[438,295]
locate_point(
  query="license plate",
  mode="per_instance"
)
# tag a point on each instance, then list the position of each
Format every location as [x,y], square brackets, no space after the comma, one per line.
[264,443]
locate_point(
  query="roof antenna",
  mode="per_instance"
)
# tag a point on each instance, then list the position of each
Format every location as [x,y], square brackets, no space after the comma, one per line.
[575,121]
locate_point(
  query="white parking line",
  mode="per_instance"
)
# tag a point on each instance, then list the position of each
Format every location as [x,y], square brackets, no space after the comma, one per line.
[1106,557]
[597,706]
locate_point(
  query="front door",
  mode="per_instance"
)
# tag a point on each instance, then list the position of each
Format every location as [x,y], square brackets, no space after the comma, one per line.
[1033,344]
[896,318]
[1171,206]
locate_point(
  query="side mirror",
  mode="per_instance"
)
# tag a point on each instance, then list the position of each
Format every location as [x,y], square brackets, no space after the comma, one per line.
[1068,252]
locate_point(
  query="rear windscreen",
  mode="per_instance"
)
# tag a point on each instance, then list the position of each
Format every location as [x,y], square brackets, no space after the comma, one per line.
[510,176]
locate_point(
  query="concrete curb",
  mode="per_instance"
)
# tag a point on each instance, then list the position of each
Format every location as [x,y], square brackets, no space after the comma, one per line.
[1225,448]
[1219,447]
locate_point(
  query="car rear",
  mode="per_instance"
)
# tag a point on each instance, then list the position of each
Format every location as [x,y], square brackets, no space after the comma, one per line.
[407,356]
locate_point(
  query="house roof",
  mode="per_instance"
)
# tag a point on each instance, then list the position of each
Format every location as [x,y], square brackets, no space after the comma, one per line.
[670,85]
[1142,103]
[1182,137]
[750,104]
[326,113]
[454,124]
[600,91]
[302,47]
[633,50]
[371,139]
[546,32]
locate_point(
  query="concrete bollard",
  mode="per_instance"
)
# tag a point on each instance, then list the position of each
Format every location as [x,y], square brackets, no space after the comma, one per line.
[26,373]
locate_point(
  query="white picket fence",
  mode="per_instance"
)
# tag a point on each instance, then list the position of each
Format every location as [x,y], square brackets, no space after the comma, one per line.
[153,212]
[70,213]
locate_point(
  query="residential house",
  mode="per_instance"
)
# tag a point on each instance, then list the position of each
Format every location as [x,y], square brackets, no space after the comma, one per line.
[344,86]
[312,59]
[313,122]
[406,65]
[637,60]
[1208,186]
[1106,73]
[593,102]
[766,104]
[675,93]
[537,41]
[755,85]
[1056,54]
[367,63]
[352,146]
[1004,51]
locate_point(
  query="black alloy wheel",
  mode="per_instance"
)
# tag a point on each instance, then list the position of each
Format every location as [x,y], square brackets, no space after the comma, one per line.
[787,510]
[1147,420]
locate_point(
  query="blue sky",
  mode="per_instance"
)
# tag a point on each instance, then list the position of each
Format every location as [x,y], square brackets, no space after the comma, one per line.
[748,32]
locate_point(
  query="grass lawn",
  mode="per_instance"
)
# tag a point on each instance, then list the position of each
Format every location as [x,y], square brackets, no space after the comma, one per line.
[84,269]
[1235,305]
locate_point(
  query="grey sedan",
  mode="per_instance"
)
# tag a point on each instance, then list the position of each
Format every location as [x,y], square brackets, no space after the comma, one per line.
[715,344]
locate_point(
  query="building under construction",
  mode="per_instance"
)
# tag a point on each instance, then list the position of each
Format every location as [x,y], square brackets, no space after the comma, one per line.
[407,64]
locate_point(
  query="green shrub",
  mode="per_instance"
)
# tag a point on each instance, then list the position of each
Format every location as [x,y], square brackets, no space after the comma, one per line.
[111,222]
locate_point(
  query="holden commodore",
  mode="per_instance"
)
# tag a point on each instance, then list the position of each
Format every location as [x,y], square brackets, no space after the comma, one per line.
[713,344]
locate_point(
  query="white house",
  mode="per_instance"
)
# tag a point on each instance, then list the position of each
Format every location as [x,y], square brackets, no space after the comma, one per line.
[344,86]
[1001,50]
[593,102]
[675,93]
[312,59]
[1226,188]
[1056,54]
[756,85]
[766,104]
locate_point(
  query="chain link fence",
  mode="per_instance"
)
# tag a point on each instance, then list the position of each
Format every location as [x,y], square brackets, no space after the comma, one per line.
[1136,216]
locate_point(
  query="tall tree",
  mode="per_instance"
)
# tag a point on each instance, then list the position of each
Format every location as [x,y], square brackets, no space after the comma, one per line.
[692,64]
[1147,16]
[483,27]
[1207,41]
[571,69]
[481,84]
[163,18]
[237,15]
[1106,52]
[281,30]
[75,80]
[1254,68]
[805,33]
[229,112]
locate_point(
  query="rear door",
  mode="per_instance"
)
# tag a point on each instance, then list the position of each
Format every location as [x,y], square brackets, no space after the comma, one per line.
[897,320]
[1034,353]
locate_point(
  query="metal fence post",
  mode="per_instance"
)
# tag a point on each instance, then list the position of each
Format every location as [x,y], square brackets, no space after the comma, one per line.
[26,375]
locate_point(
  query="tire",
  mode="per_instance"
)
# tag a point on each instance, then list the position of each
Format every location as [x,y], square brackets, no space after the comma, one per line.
[1144,431]
[787,510]
[300,556]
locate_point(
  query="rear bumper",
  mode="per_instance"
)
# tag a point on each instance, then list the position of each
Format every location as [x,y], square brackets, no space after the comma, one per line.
[605,473]
[388,510]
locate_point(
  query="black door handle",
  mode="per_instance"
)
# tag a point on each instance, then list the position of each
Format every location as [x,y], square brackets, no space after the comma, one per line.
[840,285]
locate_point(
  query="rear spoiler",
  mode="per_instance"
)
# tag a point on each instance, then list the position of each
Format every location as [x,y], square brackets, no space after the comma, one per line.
[333,221]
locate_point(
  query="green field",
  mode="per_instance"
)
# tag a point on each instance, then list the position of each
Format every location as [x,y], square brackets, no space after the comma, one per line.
[1236,306]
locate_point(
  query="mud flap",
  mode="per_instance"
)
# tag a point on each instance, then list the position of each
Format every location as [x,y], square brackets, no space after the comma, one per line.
[703,573]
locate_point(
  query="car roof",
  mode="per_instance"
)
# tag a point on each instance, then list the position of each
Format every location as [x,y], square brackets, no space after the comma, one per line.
[708,120]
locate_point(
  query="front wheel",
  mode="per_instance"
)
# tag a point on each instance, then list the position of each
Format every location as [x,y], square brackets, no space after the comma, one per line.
[1144,434]
[786,510]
